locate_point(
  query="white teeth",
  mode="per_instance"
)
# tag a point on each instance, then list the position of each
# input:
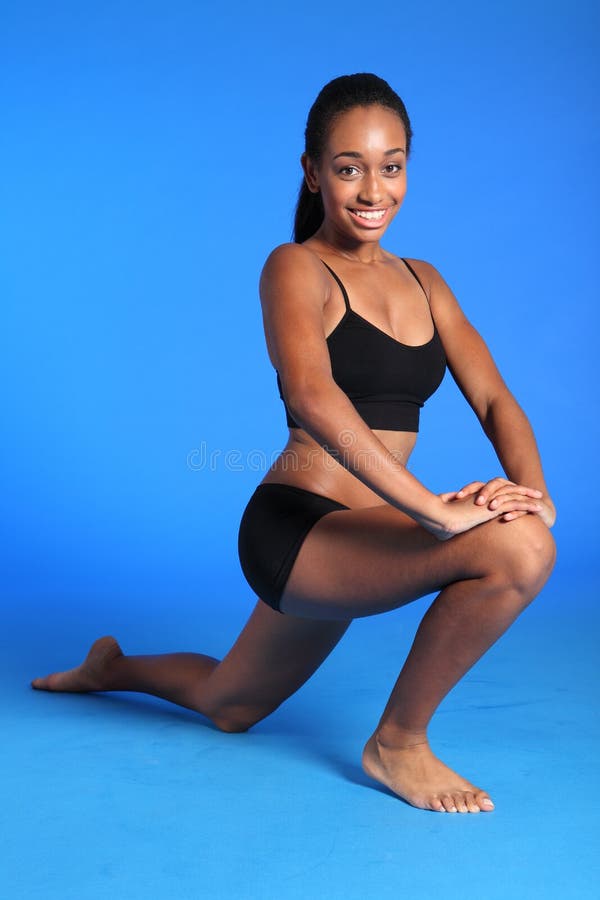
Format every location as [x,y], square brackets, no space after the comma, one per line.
[375,214]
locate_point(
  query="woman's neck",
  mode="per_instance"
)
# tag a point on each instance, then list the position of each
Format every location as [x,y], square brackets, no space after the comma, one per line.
[353,251]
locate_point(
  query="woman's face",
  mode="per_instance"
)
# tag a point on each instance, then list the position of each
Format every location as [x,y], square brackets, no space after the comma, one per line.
[362,174]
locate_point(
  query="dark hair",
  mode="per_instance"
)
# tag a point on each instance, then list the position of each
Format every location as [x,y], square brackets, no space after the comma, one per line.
[339,96]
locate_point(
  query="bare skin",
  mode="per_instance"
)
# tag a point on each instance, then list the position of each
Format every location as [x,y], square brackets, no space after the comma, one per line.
[486,550]
[476,607]
[235,693]
[90,675]
[415,774]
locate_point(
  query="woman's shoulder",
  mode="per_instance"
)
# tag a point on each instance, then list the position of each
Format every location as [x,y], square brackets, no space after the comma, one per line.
[441,296]
[422,266]
[425,271]
[291,254]
[290,262]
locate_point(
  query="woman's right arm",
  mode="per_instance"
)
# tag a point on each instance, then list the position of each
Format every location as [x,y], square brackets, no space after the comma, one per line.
[294,289]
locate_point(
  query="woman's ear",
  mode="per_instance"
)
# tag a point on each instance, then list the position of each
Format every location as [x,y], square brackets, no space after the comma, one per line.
[311,174]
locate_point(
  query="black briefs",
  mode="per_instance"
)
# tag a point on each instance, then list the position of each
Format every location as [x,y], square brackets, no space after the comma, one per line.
[274,523]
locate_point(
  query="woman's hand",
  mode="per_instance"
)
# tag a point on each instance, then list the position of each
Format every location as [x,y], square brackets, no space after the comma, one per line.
[493,493]
[478,502]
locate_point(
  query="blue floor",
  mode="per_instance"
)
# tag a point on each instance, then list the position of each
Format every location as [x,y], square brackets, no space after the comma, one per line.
[128,797]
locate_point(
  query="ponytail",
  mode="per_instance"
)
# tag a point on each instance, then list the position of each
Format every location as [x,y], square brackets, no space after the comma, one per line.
[309,214]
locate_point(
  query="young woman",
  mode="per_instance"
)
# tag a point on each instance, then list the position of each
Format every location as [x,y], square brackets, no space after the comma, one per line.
[339,528]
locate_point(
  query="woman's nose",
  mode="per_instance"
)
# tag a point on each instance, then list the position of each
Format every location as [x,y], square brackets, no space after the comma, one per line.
[370,189]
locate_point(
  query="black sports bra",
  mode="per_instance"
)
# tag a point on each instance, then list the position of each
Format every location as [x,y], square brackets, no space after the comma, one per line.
[387,381]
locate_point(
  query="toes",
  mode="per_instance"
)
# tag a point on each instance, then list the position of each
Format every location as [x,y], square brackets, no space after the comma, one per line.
[52,682]
[448,803]
[484,803]
[462,803]
[471,803]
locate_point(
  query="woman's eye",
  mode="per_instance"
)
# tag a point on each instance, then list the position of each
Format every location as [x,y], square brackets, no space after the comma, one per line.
[390,169]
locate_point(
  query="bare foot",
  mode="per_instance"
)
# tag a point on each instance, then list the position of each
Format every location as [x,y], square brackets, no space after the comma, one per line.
[412,772]
[91,675]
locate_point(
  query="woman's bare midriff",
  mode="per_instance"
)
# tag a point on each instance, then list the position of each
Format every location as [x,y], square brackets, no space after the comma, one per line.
[304,463]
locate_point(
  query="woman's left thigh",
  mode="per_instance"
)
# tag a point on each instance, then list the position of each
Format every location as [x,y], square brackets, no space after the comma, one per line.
[273,656]
[360,562]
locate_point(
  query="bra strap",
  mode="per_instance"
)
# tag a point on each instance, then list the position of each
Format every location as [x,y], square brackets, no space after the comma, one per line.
[342,288]
[410,268]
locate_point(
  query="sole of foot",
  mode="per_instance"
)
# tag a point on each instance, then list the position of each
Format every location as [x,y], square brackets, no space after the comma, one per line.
[89,676]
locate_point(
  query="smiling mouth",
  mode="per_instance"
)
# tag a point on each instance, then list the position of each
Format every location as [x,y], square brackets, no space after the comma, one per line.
[370,215]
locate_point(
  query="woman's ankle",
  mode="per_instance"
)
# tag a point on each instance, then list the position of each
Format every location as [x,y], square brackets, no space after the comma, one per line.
[391,735]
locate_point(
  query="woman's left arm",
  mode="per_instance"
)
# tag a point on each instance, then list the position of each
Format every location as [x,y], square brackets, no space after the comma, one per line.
[478,378]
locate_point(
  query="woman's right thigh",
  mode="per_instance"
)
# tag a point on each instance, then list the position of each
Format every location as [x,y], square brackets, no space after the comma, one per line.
[359,562]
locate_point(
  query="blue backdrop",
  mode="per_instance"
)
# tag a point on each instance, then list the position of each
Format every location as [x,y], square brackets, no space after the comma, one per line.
[150,162]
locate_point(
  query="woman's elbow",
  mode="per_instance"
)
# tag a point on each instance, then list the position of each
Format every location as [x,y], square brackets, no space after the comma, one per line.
[306,404]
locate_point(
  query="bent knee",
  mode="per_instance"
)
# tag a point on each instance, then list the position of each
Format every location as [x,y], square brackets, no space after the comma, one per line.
[526,554]
[239,718]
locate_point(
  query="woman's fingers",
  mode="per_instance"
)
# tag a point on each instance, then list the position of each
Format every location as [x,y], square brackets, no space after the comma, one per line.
[501,498]
[548,512]
[491,492]
[545,511]
[508,503]
[448,495]
[467,514]
[470,488]
[508,517]
[495,500]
